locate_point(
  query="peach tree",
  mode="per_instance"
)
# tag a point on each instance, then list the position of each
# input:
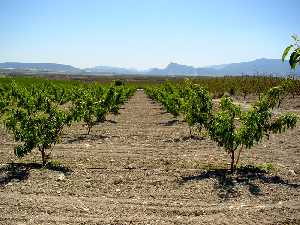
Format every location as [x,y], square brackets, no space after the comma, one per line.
[234,129]
[196,106]
[35,122]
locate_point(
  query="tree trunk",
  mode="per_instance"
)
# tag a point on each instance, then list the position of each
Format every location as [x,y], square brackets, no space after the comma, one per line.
[89,130]
[232,167]
[245,94]
[238,157]
[43,156]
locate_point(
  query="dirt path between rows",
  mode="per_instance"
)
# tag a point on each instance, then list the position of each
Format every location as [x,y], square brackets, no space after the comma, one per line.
[140,167]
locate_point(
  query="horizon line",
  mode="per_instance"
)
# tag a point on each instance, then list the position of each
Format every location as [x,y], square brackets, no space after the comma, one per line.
[138,69]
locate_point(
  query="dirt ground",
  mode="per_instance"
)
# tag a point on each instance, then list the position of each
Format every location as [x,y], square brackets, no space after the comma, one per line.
[140,167]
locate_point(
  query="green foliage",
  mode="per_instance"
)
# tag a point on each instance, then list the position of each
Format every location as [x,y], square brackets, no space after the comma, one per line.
[39,129]
[3,105]
[222,127]
[230,127]
[168,95]
[196,106]
[54,164]
[267,167]
[190,100]
[217,86]
[264,167]
[295,54]
[118,83]
[93,103]
[85,108]
[36,113]
[37,110]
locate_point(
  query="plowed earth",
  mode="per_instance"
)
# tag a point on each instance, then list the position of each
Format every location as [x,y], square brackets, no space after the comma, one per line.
[141,167]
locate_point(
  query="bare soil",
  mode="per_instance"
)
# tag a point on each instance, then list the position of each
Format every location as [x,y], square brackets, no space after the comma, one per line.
[141,167]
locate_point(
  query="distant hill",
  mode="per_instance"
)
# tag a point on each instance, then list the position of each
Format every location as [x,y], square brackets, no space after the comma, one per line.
[178,69]
[174,69]
[111,70]
[45,67]
[256,67]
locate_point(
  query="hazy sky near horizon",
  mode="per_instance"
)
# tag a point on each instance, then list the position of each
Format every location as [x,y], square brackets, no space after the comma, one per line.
[142,34]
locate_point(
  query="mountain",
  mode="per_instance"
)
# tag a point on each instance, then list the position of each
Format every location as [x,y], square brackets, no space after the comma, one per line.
[111,70]
[174,69]
[40,67]
[256,67]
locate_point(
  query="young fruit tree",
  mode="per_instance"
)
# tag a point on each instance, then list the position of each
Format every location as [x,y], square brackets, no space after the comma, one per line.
[235,130]
[170,98]
[196,106]
[39,129]
[87,108]
[168,95]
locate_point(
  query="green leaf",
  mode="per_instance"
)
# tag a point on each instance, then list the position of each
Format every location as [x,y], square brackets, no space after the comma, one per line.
[295,37]
[293,60]
[286,51]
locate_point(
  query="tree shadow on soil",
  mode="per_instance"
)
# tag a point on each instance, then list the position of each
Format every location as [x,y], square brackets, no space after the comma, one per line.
[162,113]
[111,121]
[186,138]
[169,122]
[227,184]
[21,171]
[86,137]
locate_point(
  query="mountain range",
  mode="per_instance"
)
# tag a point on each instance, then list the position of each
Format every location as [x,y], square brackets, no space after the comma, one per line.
[256,67]
[39,67]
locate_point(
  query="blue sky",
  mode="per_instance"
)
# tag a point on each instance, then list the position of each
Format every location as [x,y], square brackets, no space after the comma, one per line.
[142,34]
